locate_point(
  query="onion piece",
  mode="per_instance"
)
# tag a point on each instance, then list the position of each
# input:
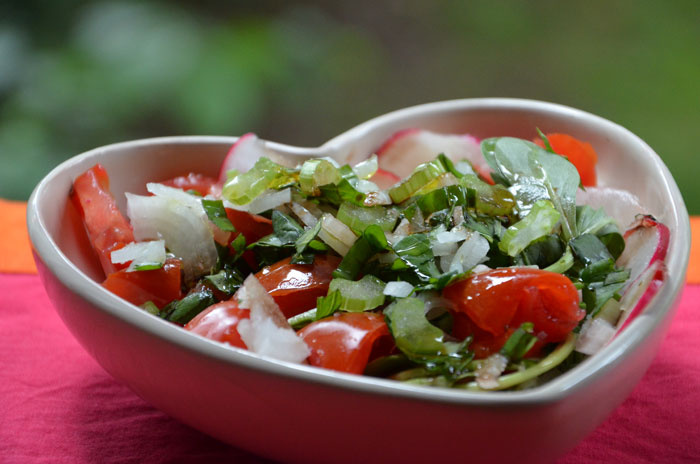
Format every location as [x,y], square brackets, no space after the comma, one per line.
[398,289]
[185,231]
[490,370]
[472,252]
[595,334]
[304,215]
[151,254]
[336,234]
[269,199]
[267,332]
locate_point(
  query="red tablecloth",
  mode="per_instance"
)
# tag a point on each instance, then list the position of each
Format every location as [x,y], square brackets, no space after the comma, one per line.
[58,406]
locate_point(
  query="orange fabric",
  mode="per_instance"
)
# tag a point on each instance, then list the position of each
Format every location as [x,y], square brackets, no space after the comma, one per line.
[15,250]
[16,256]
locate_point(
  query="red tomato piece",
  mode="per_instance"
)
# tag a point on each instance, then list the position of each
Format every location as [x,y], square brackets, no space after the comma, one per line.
[198,182]
[161,286]
[220,322]
[581,154]
[347,341]
[106,227]
[252,226]
[295,287]
[499,301]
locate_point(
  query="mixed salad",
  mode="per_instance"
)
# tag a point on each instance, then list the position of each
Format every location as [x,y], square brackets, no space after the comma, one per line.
[440,260]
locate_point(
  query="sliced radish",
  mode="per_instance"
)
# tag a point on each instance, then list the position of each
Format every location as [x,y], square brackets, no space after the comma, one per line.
[646,242]
[646,245]
[242,155]
[384,179]
[408,148]
[620,205]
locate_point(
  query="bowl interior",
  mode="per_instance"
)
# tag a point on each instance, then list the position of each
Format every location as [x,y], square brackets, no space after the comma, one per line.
[624,161]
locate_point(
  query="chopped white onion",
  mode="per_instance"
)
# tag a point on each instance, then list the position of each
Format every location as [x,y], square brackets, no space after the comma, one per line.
[366,169]
[490,369]
[445,249]
[336,234]
[185,231]
[398,289]
[472,252]
[140,254]
[267,331]
[304,215]
[269,199]
[458,216]
[457,234]
[366,186]
[595,334]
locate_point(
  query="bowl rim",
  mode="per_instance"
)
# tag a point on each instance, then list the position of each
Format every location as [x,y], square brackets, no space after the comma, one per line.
[586,373]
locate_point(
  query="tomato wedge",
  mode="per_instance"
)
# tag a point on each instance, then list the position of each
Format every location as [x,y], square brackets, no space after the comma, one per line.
[106,227]
[498,301]
[161,286]
[295,287]
[581,154]
[219,322]
[347,341]
[197,182]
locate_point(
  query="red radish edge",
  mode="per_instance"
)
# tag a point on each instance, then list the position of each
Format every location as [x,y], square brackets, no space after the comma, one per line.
[396,136]
[655,266]
[228,160]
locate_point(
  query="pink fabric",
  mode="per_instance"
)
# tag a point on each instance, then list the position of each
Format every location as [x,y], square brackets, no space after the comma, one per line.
[58,406]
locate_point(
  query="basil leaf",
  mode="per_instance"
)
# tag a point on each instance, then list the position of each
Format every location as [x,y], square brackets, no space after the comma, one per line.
[520,342]
[545,251]
[371,242]
[217,214]
[423,342]
[184,310]
[327,305]
[227,281]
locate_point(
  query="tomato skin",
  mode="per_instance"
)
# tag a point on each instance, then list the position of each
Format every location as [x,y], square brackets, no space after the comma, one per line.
[252,226]
[106,227]
[345,341]
[498,301]
[161,286]
[295,287]
[581,154]
[219,322]
[202,184]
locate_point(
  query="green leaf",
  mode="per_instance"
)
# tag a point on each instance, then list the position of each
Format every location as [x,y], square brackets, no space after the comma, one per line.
[545,251]
[424,343]
[327,305]
[520,342]
[443,198]
[534,174]
[371,242]
[217,214]
[227,281]
[184,310]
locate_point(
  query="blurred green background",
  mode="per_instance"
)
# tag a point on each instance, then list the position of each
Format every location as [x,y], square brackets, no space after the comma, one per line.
[77,74]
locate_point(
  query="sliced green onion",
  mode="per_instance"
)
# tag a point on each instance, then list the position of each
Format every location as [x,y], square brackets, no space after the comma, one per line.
[357,296]
[316,173]
[358,218]
[420,177]
[540,221]
[494,200]
[242,188]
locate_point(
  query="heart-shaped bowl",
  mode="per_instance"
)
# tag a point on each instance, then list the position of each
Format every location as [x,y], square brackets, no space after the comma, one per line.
[299,413]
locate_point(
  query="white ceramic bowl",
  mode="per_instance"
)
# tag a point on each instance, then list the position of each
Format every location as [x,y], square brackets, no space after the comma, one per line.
[302,414]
